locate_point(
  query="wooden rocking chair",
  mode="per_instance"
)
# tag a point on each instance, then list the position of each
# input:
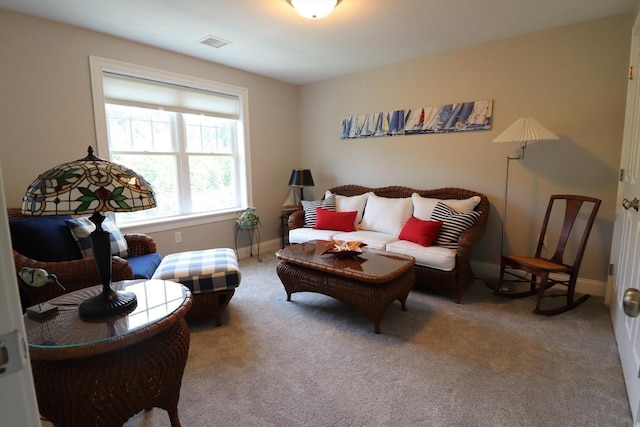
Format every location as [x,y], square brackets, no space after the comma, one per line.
[540,269]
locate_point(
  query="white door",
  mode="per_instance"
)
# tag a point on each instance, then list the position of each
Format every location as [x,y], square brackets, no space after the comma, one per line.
[18,405]
[626,244]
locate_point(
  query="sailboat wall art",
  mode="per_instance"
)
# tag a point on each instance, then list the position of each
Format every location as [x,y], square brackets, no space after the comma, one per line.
[461,117]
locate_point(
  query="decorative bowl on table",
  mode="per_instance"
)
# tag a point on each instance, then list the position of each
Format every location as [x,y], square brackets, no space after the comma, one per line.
[344,249]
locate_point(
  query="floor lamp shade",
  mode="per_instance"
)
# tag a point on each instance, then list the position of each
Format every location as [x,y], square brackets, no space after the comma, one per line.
[92,185]
[301,178]
[524,130]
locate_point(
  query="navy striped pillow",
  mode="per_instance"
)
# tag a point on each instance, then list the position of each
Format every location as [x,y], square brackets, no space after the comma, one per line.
[309,207]
[453,224]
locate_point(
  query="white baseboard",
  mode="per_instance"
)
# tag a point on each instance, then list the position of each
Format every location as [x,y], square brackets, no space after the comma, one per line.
[481,270]
[268,247]
[491,272]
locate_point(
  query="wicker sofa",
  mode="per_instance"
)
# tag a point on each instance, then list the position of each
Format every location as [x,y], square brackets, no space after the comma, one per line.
[452,279]
[63,258]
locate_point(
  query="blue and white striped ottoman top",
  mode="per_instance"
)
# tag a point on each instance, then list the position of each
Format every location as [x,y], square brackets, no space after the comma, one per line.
[203,271]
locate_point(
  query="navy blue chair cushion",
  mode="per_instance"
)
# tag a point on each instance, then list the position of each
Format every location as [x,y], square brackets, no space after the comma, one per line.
[144,266]
[44,238]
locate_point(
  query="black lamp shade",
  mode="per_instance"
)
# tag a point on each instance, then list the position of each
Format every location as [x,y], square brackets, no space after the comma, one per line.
[301,178]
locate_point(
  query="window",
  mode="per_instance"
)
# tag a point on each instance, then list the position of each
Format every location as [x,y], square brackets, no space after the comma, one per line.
[184,135]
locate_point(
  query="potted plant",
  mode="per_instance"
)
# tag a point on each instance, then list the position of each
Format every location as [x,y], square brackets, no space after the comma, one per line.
[249,219]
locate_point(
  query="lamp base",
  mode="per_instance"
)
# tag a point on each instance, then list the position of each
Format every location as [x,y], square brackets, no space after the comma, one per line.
[495,286]
[107,304]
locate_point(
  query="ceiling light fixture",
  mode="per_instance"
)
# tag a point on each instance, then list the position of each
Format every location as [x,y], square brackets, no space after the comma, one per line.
[314,9]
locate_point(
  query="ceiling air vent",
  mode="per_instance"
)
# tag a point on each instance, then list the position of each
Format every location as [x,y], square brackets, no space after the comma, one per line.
[212,41]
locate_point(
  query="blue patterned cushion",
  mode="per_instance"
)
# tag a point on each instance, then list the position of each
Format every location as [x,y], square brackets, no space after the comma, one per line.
[81,229]
[454,223]
[203,271]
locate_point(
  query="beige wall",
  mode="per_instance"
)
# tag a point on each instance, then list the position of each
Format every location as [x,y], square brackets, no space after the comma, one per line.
[46,114]
[571,79]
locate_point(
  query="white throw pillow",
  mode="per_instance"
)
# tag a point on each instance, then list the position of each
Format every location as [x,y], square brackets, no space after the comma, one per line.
[462,206]
[386,214]
[350,204]
[423,206]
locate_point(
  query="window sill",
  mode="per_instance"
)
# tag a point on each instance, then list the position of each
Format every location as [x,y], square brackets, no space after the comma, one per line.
[177,222]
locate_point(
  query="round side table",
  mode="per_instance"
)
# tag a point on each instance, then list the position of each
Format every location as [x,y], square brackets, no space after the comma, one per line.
[101,373]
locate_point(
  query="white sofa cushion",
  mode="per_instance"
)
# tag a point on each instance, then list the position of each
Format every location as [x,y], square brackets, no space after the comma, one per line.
[373,239]
[350,203]
[304,234]
[423,206]
[430,256]
[386,214]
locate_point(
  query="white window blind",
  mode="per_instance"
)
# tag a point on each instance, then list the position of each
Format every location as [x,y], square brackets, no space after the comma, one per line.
[146,93]
[186,135]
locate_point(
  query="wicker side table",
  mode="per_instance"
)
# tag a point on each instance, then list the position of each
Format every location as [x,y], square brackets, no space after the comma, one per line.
[102,373]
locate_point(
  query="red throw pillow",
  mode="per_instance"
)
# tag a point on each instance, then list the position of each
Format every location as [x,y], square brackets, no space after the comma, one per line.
[419,231]
[332,220]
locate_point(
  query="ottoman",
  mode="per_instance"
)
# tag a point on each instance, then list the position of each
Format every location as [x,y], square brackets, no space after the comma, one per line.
[212,275]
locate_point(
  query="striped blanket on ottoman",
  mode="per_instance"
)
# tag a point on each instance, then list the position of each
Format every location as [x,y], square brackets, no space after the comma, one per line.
[212,276]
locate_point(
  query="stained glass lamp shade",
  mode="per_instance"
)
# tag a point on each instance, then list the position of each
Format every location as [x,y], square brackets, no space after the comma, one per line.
[92,185]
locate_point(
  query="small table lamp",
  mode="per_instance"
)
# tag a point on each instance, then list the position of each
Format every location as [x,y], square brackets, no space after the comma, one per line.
[92,186]
[301,178]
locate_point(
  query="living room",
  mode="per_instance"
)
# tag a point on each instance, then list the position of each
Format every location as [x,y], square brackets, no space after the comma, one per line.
[573,79]
[568,78]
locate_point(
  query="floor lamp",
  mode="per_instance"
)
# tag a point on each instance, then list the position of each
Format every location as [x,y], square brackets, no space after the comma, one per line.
[523,130]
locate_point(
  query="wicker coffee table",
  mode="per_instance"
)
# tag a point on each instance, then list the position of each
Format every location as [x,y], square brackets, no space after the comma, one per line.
[370,282]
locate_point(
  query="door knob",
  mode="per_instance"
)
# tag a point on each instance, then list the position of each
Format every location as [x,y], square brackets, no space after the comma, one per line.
[631,302]
[626,203]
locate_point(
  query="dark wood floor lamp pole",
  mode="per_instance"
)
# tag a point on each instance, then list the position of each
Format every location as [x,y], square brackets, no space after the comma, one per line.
[523,130]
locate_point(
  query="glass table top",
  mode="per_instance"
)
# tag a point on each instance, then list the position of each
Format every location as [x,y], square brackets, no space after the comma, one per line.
[156,301]
[369,266]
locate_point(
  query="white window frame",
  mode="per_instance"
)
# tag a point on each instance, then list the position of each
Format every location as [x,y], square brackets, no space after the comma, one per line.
[99,65]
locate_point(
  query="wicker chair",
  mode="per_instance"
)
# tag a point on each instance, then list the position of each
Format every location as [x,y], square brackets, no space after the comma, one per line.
[78,273]
[450,282]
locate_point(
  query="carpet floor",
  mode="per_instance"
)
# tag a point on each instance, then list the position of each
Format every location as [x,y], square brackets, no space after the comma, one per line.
[315,361]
